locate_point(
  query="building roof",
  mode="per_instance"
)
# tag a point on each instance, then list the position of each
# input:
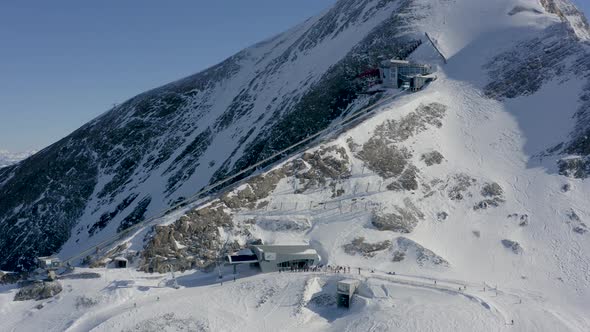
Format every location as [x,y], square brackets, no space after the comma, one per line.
[53,258]
[349,281]
[304,249]
[401,63]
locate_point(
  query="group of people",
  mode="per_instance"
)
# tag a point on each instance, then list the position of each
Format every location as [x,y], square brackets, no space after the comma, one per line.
[318,268]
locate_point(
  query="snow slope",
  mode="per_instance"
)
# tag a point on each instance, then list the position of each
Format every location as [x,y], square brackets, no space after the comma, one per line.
[123,301]
[461,183]
[532,236]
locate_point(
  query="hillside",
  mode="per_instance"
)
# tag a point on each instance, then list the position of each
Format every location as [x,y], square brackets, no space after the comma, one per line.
[478,181]
[164,145]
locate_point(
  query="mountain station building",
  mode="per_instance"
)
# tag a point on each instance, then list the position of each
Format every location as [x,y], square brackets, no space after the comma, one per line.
[272,258]
[402,73]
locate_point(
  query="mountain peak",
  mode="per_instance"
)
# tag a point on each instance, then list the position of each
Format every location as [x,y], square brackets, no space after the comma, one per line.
[570,14]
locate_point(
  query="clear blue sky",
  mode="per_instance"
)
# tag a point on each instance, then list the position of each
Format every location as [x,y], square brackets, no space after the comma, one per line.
[64,62]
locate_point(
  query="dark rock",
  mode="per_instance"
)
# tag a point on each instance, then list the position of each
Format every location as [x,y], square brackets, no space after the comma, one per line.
[424,256]
[408,180]
[576,167]
[442,216]
[492,190]
[38,291]
[524,220]
[403,221]
[512,245]
[462,183]
[385,160]
[197,232]
[486,203]
[432,158]
[359,246]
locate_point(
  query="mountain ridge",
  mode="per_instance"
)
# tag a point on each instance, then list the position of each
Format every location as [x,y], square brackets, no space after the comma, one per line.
[121,182]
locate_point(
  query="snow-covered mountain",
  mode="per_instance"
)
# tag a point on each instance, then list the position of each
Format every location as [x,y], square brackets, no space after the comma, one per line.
[8,158]
[505,59]
[479,179]
[166,144]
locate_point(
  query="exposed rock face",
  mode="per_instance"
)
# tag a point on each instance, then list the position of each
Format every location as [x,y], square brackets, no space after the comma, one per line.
[414,123]
[388,160]
[576,167]
[404,220]
[558,53]
[327,163]
[256,189]
[512,245]
[570,14]
[460,186]
[9,278]
[405,247]
[408,180]
[359,246]
[492,190]
[191,242]
[487,203]
[432,158]
[577,225]
[442,216]
[38,291]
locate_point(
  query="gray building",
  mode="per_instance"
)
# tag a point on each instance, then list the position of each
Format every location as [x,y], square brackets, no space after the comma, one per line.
[394,73]
[272,258]
[345,289]
[48,262]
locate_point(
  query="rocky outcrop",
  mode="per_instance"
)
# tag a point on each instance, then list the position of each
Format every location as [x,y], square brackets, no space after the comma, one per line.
[492,192]
[513,246]
[408,180]
[432,158]
[576,222]
[403,220]
[38,291]
[326,164]
[257,188]
[381,154]
[405,248]
[365,249]
[386,160]
[574,167]
[193,241]
[459,186]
